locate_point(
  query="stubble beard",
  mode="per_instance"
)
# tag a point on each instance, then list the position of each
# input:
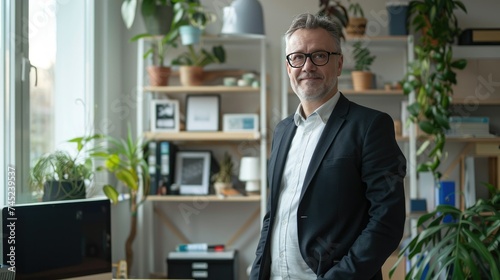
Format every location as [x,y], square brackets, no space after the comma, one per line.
[313,93]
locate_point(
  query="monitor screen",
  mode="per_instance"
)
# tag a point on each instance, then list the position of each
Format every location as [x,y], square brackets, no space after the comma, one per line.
[58,239]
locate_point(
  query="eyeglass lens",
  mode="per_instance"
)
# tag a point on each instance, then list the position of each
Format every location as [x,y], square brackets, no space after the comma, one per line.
[318,58]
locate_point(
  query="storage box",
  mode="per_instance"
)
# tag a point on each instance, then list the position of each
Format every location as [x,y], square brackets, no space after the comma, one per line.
[202,265]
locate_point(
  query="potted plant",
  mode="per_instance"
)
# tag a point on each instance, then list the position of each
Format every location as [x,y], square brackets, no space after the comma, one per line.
[336,11]
[362,77]
[61,175]
[157,15]
[465,248]
[124,159]
[159,71]
[432,74]
[357,22]
[193,61]
[224,178]
[191,19]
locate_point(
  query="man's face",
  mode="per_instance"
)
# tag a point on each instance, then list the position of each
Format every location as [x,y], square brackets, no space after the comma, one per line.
[314,83]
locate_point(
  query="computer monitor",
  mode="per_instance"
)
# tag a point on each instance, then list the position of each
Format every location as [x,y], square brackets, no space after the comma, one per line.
[57,240]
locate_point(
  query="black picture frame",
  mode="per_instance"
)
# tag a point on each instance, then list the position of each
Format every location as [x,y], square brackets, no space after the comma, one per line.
[165,115]
[193,171]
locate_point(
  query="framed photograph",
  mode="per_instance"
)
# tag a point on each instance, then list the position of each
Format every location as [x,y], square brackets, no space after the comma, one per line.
[165,115]
[192,172]
[202,112]
[240,122]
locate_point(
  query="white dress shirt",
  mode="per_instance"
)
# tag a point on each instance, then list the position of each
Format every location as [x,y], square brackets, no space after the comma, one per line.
[286,261]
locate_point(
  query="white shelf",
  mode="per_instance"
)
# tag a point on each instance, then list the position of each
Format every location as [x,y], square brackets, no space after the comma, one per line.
[476,52]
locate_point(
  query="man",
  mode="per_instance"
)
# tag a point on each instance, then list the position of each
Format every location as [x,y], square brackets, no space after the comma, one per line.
[337,206]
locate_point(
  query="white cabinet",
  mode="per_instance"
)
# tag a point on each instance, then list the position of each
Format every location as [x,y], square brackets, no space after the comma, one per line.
[162,216]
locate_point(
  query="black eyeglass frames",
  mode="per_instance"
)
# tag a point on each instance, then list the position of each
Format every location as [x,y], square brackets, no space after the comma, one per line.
[318,58]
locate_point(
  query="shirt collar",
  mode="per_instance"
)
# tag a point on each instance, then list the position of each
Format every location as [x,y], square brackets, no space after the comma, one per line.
[324,111]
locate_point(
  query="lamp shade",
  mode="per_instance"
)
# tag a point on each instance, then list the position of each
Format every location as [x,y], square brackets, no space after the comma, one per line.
[250,173]
[243,17]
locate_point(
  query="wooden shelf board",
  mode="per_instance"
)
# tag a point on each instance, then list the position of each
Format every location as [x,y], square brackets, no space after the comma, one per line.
[474,139]
[203,136]
[382,39]
[368,92]
[476,52]
[201,89]
[214,198]
[466,101]
[373,92]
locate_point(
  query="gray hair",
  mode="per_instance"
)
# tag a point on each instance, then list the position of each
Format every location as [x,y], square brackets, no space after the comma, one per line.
[310,21]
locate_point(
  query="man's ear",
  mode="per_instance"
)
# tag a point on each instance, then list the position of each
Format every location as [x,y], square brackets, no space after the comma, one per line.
[340,65]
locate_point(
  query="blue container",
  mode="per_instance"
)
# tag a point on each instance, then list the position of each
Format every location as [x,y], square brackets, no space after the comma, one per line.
[398,13]
[446,195]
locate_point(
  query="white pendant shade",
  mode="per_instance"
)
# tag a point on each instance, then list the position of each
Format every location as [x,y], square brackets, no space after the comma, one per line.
[243,17]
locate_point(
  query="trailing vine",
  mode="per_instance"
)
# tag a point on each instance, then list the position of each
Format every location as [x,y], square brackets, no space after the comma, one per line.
[432,75]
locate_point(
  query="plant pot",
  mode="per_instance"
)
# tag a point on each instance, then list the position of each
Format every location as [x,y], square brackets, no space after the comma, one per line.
[55,190]
[190,35]
[356,26]
[362,80]
[159,23]
[191,75]
[158,76]
[220,187]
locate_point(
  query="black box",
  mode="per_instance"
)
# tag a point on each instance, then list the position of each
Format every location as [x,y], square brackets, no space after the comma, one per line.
[203,265]
[480,36]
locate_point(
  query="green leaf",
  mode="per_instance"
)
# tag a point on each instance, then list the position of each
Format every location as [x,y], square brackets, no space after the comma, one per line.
[111,193]
[426,126]
[127,178]
[128,12]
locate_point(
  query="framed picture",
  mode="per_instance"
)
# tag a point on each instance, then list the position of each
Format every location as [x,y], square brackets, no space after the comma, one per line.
[240,122]
[165,115]
[202,112]
[192,172]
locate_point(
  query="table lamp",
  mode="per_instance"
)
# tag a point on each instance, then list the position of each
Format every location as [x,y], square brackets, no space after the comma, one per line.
[250,173]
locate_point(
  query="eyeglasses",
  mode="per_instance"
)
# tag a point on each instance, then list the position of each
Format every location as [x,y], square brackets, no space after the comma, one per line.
[319,58]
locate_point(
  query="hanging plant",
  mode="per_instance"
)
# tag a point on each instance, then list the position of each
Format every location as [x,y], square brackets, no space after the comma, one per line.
[432,75]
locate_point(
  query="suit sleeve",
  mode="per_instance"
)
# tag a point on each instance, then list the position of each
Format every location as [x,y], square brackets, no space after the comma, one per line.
[383,169]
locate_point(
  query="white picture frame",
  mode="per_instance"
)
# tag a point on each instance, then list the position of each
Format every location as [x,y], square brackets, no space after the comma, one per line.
[192,172]
[202,112]
[165,115]
[240,122]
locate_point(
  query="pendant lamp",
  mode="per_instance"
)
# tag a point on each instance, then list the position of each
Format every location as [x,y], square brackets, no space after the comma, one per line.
[243,17]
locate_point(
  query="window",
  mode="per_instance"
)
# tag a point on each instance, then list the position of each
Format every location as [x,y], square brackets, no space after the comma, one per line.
[49,99]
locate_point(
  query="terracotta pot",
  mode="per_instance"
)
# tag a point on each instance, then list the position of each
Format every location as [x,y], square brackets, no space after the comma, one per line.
[191,75]
[158,76]
[356,26]
[362,80]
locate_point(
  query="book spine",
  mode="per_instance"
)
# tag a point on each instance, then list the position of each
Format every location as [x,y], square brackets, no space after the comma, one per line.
[152,167]
[469,120]
[166,159]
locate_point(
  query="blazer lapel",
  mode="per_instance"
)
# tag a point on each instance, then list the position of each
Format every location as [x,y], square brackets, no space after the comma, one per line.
[278,164]
[332,127]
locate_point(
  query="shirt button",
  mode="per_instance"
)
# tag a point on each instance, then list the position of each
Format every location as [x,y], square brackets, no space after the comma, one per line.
[284,222]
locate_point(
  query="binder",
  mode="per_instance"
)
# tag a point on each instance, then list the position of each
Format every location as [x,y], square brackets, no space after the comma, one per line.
[153,167]
[166,160]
